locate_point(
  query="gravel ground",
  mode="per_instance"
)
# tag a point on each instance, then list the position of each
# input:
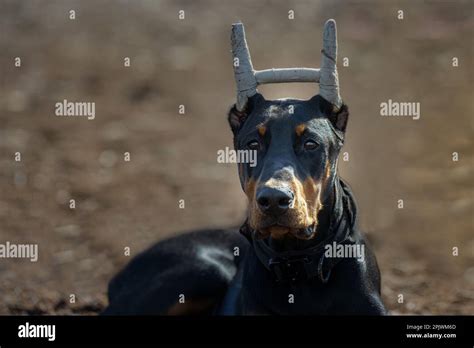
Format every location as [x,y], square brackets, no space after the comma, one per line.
[133,204]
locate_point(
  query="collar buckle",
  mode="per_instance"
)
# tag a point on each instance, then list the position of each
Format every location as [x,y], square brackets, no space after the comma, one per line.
[291,269]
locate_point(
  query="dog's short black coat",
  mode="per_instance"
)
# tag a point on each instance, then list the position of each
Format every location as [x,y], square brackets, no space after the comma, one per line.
[225,272]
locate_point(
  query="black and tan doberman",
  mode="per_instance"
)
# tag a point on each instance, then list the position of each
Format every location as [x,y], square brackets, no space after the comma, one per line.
[291,256]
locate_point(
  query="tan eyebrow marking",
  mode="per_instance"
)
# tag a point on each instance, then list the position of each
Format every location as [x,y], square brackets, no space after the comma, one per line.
[300,129]
[261,130]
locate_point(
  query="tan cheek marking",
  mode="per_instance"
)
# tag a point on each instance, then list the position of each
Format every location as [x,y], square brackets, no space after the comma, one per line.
[310,188]
[250,189]
[300,129]
[300,200]
[253,216]
[300,207]
[328,169]
[262,130]
[312,192]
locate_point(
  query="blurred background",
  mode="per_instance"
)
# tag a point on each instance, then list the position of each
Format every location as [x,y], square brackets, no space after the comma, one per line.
[134,204]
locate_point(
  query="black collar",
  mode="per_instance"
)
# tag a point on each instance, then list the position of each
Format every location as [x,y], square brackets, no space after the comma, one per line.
[311,263]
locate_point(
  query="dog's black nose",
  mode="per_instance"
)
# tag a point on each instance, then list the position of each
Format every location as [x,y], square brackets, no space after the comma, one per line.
[274,201]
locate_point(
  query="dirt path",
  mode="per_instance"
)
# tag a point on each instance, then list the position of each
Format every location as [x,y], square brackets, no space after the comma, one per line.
[133,204]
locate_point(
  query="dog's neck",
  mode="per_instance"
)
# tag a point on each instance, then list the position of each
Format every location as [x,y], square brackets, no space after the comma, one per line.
[331,207]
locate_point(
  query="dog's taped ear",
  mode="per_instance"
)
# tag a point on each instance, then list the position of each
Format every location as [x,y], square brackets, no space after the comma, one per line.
[237,118]
[339,119]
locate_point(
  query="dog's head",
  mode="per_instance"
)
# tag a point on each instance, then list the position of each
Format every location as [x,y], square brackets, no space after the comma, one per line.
[297,145]
[297,142]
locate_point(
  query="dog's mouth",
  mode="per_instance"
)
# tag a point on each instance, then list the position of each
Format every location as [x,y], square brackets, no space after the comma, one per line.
[278,232]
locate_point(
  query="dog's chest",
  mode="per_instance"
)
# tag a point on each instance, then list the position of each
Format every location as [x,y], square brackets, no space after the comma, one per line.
[255,292]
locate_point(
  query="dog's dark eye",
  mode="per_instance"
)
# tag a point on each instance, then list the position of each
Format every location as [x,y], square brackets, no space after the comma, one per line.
[253,145]
[310,145]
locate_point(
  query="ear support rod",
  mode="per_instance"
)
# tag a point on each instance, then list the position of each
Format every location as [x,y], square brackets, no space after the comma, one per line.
[287,75]
[247,79]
